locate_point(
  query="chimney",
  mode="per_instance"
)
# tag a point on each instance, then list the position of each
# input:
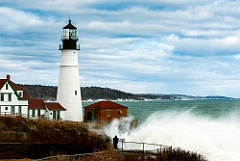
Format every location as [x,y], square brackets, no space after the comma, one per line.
[8,77]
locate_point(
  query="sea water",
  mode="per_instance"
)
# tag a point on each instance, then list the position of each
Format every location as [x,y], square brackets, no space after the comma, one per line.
[209,127]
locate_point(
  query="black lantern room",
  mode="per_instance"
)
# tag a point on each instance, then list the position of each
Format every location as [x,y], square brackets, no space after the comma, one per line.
[69,38]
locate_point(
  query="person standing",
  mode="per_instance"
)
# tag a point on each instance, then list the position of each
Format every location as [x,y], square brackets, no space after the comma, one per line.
[115,141]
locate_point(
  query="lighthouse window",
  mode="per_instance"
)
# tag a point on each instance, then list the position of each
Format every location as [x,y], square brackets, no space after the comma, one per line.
[75,92]
[74,52]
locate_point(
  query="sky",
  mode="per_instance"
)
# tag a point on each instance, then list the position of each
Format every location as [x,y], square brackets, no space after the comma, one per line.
[138,46]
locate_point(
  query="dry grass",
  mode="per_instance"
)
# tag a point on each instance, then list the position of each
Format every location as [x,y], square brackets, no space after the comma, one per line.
[62,137]
[41,139]
[169,155]
[110,155]
[25,159]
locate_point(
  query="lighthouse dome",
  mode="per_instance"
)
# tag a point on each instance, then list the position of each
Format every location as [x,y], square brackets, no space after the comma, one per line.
[69,26]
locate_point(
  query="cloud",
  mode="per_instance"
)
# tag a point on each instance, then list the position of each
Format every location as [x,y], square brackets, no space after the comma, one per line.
[16,20]
[137,46]
[205,46]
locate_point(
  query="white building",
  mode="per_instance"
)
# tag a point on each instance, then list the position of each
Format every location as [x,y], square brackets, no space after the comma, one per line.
[69,94]
[14,101]
[45,110]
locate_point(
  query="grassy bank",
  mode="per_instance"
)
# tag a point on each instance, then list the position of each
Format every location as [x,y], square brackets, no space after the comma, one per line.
[23,138]
[46,138]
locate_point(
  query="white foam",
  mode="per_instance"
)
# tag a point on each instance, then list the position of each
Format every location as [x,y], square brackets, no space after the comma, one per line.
[217,139]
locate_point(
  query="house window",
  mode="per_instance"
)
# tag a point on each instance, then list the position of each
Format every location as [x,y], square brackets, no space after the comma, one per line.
[2,97]
[20,94]
[12,110]
[119,112]
[19,109]
[108,113]
[33,113]
[6,86]
[6,108]
[9,97]
[75,92]
[58,115]
[54,115]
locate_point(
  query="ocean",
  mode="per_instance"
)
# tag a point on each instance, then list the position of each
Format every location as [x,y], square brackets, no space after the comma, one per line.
[210,127]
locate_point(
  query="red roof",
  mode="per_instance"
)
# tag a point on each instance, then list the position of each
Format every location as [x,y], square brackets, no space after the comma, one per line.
[36,103]
[105,104]
[2,82]
[52,106]
[16,86]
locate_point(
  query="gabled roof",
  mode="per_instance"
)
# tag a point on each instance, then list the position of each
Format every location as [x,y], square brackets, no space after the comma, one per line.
[105,104]
[36,103]
[54,106]
[15,87]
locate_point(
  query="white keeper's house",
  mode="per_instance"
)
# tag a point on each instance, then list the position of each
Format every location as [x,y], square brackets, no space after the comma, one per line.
[15,101]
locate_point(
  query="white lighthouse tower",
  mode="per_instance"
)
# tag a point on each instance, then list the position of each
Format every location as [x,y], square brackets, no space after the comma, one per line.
[69,93]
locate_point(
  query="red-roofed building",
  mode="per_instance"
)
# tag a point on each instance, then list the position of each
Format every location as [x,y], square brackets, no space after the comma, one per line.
[45,110]
[104,111]
[36,108]
[54,110]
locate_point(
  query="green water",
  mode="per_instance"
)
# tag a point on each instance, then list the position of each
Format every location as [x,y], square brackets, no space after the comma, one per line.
[209,127]
[215,108]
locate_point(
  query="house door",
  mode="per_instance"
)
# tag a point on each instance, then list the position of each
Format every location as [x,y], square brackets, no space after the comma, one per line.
[89,116]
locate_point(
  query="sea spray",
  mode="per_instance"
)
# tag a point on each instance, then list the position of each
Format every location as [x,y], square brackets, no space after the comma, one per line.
[119,127]
[217,139]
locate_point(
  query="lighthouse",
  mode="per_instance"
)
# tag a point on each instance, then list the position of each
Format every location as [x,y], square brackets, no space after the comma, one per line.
[69,92]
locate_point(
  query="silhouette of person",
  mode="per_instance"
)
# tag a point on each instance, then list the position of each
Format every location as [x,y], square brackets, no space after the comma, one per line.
[115,141]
